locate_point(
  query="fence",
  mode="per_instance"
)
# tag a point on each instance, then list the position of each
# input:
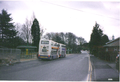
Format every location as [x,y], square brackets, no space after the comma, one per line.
[28,53]
[9,56]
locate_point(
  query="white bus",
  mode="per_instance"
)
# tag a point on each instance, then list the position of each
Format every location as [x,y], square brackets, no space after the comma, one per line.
[62,50]
[49,49]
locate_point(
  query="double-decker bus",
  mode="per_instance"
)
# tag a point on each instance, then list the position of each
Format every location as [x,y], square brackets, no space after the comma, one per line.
[62,50]
[49,49]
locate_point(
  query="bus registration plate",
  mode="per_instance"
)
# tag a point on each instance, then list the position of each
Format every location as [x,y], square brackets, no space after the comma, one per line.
[43,57]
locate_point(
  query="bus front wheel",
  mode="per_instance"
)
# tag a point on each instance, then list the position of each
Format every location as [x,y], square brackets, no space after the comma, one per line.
[51,58]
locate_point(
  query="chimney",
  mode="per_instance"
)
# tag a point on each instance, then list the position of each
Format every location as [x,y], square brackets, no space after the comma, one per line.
[113,37]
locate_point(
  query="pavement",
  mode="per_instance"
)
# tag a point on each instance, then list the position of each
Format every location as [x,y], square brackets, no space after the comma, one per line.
[24,60]
[103,70]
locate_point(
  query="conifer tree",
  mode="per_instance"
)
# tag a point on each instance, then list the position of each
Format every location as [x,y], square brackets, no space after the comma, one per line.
[7,30]
[105,39]
[95,40]
[35,31]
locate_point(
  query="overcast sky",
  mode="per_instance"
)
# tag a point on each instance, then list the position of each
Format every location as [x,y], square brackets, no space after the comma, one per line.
[77,17]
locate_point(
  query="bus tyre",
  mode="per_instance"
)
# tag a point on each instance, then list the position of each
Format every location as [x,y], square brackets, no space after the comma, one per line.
[64,55]
[51,58]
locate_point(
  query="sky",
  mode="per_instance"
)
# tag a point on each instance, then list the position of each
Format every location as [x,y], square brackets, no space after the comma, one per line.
[76,16]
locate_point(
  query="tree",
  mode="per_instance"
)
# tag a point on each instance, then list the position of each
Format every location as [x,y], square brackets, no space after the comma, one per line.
[69,39]
[62,36]
[104,39]
[85,46]
[95,40]
[26,32]
[48,36]
[57,38]
[35,31]
[7,30]
[80,41]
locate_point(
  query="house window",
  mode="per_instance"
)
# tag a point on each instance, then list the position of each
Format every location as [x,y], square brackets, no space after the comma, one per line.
[115,49]
[106,49]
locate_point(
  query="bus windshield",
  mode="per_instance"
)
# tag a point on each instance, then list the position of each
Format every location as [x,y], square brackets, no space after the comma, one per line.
[44,42]
[63,46]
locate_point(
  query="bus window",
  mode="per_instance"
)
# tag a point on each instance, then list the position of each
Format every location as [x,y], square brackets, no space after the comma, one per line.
[52,43]
[44,49]
[63,46]
[44,42]
[55,44]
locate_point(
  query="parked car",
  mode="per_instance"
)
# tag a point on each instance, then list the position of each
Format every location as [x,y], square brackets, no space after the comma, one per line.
[117,62]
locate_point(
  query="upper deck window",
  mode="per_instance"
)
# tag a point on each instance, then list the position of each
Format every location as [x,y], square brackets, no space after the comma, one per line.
[63,46]
[44,42]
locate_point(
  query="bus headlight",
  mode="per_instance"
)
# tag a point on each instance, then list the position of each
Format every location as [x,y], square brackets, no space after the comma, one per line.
[38,55]
[48,55]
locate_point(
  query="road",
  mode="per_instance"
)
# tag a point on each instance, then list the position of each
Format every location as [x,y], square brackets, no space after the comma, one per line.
[72,68]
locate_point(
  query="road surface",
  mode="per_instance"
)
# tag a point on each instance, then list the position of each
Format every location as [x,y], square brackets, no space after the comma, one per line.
[72,68]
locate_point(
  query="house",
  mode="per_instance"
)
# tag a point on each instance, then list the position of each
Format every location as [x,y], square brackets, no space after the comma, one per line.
[111,49]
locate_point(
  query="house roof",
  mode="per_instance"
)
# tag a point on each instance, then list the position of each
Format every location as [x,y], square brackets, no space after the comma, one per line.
[115,42]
